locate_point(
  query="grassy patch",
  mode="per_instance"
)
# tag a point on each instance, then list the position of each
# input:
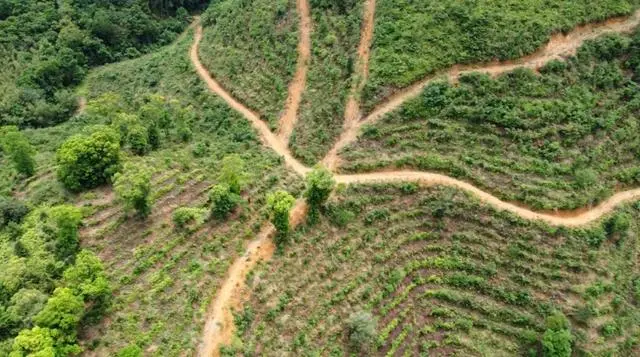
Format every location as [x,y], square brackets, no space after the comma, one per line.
[334,40]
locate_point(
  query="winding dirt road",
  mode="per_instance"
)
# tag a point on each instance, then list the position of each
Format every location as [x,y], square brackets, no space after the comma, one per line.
[352,109]
[297,85]
[267,136]
[575,218]
[559,47]
[219,327]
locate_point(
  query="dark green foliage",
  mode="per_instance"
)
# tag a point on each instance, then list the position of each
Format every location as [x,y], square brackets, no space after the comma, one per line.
[67,219]
[48,47]
[280,204]
[88,161]
[319,184]
[557,339]
[133,186]
[16,146]
[223,200]
[12,210]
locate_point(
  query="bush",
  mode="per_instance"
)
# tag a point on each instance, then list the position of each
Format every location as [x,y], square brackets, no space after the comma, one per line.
[232,173]
[361,328]
[185,215]
[18,148]
[319,183]
[223,200]
[280,204]
[133,186]
[86,162]
[12,210]
[557,339]
[130,351]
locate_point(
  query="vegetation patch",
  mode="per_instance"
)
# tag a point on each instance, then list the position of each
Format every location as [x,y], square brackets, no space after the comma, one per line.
[440,273]
[413,39]
[565,138]
[250,48]
[334,44]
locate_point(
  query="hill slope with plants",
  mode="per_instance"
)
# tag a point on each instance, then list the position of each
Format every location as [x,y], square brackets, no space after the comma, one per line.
[562,139]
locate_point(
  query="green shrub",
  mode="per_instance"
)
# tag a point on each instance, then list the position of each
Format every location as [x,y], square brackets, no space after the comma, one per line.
[12,210]
[183,216]
[20,151]
[130,351]
[557,339]
[361,329]
[133,186]
[319,184]
[223,200]
[280,204]
[88,161]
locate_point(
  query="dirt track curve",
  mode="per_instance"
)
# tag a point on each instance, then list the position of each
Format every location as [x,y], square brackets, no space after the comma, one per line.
[219,327]
[559,47]
[352,109]
[267,136]
[296,87]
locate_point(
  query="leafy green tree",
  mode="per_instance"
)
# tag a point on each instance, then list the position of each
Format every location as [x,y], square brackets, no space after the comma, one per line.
[67,220]
[138,139]
[557,339]
[36,342]
[18,148]
[280,204]
[25,305]
[223,200]
[361,328]
[133,186]
[12,210]
[232,172]
[87,278]
[319,184]
[88,161]
[63,311]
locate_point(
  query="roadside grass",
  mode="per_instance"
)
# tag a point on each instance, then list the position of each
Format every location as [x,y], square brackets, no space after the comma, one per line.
[250,48]
[562,139]
[413,39]
[334,41]
[442,274]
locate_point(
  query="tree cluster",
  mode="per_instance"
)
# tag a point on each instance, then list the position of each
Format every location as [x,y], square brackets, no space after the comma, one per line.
[47,288]
[54,43]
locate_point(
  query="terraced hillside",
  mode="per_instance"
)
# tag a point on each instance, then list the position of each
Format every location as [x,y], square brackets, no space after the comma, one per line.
[442,274]
[555,140]
[414,39]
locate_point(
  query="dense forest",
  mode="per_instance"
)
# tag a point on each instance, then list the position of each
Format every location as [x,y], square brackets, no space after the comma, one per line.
[47,47]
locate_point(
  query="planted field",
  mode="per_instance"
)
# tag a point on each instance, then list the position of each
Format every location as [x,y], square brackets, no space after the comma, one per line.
[250,47]
[334,40]
[441,274]
[416,38]
[562,139]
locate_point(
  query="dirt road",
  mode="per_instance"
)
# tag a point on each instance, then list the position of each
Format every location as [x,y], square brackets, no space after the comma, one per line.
[297,85]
